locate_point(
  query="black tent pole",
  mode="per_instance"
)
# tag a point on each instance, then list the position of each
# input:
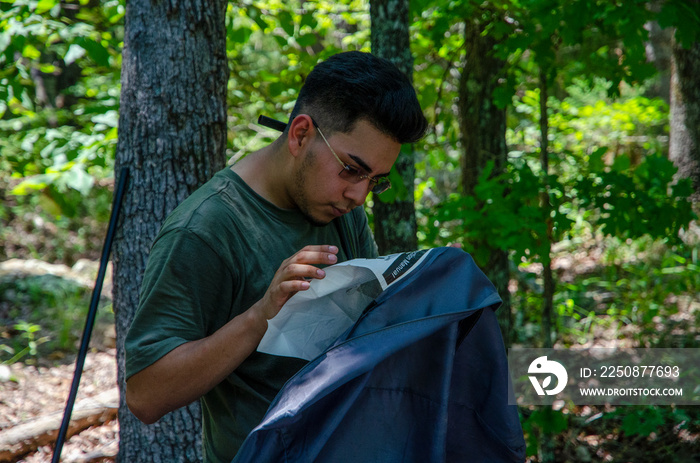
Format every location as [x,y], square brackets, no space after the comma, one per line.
[92,312]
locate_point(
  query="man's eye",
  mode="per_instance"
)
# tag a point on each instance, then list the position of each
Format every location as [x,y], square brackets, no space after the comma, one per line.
[352,170]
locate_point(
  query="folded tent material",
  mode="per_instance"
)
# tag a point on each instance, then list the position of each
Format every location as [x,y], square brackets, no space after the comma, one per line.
[421,376]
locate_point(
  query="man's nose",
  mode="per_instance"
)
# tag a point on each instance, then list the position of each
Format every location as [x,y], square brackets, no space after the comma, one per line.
[357,192]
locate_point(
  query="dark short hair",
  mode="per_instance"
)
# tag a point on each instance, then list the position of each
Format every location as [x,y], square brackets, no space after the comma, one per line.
[353,86]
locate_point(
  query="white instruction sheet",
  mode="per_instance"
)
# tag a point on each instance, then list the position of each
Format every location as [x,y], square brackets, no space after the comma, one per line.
[312,320]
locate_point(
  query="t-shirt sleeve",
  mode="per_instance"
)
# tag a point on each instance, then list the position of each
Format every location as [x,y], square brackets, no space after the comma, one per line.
[186,293]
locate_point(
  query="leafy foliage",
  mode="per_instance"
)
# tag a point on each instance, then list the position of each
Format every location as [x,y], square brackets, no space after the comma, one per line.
[41,316]
[295,36]
[59,94]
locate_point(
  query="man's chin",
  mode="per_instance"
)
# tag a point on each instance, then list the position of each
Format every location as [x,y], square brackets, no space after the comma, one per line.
[321,219]
[316,221]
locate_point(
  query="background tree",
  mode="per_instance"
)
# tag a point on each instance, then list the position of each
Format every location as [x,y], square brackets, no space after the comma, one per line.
[684,147]
[683,19]
[394,211]
[483,134]
[172,137]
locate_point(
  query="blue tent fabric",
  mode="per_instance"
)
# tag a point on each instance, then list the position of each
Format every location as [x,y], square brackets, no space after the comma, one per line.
[421,376]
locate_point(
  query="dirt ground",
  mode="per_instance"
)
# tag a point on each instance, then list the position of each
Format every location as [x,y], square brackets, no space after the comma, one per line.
[32,392]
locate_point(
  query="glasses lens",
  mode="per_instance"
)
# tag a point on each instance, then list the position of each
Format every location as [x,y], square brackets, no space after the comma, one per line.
[350,174]
[381,187]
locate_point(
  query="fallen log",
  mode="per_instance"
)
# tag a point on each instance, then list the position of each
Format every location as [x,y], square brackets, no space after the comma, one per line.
[26,437]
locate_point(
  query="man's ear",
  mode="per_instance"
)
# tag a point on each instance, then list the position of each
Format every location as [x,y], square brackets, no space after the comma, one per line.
[299,133]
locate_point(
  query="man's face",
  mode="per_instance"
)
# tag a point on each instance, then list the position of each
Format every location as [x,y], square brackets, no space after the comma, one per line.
[319,192]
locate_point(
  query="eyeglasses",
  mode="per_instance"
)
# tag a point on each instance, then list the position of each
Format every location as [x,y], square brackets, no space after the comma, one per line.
[355,175]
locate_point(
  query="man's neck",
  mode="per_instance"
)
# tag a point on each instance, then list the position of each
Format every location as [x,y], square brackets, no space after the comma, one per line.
[264,171]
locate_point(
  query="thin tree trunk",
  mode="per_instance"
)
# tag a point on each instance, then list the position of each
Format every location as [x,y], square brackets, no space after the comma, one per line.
[395,223]
[547,442]
[483,135]
[684,146]
[659,51]
[172,136]
[548,305]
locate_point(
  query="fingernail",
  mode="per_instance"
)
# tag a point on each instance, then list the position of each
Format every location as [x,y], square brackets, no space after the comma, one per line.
[333,249]
[320,273]
[305,285]
[332,257]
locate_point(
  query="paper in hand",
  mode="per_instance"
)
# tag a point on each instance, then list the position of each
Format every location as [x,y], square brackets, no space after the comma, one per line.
[313,319]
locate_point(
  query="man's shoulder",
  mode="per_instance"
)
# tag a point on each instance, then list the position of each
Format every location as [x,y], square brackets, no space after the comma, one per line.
[215,201]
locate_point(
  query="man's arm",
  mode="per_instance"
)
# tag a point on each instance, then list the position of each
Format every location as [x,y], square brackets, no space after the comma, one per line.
[194,368]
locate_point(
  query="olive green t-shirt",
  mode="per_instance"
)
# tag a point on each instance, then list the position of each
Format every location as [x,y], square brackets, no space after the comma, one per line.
[213,258]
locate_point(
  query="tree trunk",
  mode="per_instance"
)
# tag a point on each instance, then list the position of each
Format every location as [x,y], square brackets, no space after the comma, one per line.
[483,135]
[395,223]
[684,146]
[548,276]
[172,136]
[659,51]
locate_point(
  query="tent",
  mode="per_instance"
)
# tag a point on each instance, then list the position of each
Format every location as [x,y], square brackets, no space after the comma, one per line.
[421,376]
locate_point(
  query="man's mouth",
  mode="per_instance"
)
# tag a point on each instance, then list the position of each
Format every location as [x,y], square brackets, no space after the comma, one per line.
[338,212]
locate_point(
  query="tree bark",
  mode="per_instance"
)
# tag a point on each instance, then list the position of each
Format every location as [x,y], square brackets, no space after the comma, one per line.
[659,51]
[547,273]
[483,136]
[395,223]
[172,136]
[684,145]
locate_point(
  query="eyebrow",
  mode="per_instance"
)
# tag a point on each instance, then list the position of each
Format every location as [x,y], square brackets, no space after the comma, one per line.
[364,166]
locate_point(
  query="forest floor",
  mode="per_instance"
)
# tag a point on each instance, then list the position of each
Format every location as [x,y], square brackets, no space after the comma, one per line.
[38,390]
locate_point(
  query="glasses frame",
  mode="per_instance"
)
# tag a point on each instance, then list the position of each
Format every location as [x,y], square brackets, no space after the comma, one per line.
[353,174]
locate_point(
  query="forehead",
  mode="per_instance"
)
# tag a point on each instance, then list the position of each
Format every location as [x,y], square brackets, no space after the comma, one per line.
[367,144]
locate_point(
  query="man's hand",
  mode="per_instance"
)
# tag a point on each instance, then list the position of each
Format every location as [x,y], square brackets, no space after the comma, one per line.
[178,377]
[294,275]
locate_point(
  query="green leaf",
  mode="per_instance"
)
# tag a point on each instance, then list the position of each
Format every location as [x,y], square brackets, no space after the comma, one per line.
[307,19]
[74,53]
[306,40]
[643,422]
[621,164]
[44,5]
[30,52]
[548,420]
[256,15]
[109,118]
[31,184]
[240,35]
[286,22]
[276,88]
[78,179]
[503,96]
[281,41]
[95,50]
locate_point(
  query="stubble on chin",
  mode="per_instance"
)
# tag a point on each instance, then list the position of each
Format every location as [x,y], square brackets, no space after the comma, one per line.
[300,197]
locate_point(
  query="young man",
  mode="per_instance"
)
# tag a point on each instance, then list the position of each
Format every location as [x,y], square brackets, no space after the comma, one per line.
[236,250]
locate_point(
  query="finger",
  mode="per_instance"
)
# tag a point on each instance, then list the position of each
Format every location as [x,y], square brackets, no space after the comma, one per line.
[283,292]
[301,271]
[321,248]
[291,287]
[314,257]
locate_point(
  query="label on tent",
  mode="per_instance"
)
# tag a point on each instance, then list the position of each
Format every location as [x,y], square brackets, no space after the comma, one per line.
[402,265]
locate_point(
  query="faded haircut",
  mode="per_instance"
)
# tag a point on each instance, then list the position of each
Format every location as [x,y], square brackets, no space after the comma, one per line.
[353,86]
